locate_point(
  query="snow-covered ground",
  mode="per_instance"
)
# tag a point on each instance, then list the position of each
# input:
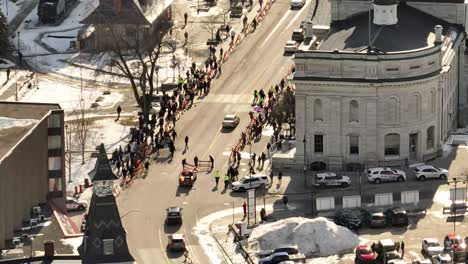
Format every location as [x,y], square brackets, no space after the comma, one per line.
[314,237]
[6,122]
[105,131]
[10,9]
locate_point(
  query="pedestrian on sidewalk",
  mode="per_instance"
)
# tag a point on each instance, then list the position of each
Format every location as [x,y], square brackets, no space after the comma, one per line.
[280,176]
[251,3]
[402,245]
[147,165]
[8,74]
[174,134]
[255,99]
[119,110]
[184,161]
[226,181]
[212,163]
[245,22]
[271,177]
[195,161]
[186,37]
[217,175]
[263,158]
[186,143]
[185,19]
[233,34]
[244,207]
[263,215]
[261,3]
[254,156]
[254,23]
[221,53]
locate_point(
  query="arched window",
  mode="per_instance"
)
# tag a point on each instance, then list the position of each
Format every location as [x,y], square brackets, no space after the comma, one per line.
[413,107]
[430,138]
[391,110]
[318,110]
[392,144]
[353,111]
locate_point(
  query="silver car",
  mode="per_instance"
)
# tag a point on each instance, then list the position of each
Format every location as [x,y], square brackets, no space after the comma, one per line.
[430,172]
[431,247]
[230,121]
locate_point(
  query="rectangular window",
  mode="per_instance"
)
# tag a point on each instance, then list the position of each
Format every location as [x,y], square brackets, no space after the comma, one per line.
[55,120]
[318,143]
[392,69]
[55,184]
[55,163]
[415,67]
[354,144]
[108,246]
[54,142]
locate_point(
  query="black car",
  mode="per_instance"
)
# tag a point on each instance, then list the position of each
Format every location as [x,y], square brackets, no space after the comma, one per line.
[352,218]
[396,216]
[174,216]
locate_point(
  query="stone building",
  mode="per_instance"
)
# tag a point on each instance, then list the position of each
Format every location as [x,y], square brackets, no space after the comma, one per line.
[126,21]
[385,86]
[31,162]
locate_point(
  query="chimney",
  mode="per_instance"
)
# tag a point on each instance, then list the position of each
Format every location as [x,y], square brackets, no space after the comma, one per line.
[438,33]
[309,32]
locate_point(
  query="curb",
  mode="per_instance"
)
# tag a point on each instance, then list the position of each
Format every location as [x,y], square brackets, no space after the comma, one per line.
[225,254]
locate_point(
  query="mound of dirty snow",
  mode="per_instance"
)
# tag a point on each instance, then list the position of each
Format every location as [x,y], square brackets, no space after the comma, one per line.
[314,237]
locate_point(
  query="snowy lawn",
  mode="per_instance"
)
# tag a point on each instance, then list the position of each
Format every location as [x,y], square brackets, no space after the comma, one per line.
[68,96]
[60,41]
[105,131]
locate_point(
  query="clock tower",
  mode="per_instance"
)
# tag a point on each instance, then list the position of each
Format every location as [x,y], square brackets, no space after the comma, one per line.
[104,239]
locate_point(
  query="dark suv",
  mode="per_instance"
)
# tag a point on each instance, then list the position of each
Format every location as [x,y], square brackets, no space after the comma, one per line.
[396,216]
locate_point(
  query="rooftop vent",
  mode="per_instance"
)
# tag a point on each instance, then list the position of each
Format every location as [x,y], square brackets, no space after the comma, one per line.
[385,12]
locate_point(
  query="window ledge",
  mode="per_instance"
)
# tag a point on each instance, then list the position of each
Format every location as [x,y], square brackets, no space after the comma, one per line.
[392,157]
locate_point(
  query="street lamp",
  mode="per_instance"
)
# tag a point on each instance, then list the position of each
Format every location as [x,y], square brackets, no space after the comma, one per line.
[305,161]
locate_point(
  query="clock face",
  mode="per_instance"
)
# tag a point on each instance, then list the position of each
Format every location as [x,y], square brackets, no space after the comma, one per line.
[102,189]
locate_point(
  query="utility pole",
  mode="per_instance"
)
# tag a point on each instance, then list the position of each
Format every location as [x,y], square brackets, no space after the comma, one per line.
[68,146]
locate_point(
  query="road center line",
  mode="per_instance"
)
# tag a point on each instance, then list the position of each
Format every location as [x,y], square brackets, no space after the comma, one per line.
[276,27]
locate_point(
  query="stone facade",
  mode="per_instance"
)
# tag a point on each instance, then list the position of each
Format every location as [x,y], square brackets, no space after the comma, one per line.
[379,108]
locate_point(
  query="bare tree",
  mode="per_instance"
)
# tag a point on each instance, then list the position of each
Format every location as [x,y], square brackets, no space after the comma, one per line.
[284,110]
[211,24]
[135,56]
[79,126]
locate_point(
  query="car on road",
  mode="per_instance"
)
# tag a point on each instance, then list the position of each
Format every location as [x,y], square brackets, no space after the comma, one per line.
[378,175]
[250,182]
[425,172]
[297,3]
[231,121]
[74,205]
[441,259]
[174,216]
[176,242]
[364,254]
[187,177]
[396,216]
[431,247]
[329,179]
[287,249]
[291,46]
[298,34]
[274,258]
[378,220]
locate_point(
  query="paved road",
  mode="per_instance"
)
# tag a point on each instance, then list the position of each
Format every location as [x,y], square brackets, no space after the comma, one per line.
[258,63]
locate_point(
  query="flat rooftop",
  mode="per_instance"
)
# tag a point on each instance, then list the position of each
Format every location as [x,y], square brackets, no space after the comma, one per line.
[414,30]
[16,119]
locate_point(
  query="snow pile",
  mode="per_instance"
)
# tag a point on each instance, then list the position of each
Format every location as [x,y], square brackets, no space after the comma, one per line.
[314,237]
[6,122]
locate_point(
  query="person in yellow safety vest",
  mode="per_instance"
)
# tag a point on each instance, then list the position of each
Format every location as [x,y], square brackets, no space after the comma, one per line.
[217,176]
[180,80]
[260,102]
[226,181]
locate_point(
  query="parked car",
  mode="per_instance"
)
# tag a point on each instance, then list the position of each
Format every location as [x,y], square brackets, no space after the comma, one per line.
[378,175]
[288,249]
[396,216]
[387,247]
[454,243]
[231,121]
[291,46]
[176,242]
[297,3]
[298,35]
[274,258]
[174,216]
[328,179]
[250,182]
[352,218]
[187,177]
[441,259]
[430,172]
[378,220]
[431,247]
[364,254]
[74,205]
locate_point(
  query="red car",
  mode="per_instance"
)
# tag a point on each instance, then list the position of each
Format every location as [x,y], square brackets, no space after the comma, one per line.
[187,177]
[364,254]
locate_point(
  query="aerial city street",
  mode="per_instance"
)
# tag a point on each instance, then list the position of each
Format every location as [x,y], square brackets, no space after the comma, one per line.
[233,131]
